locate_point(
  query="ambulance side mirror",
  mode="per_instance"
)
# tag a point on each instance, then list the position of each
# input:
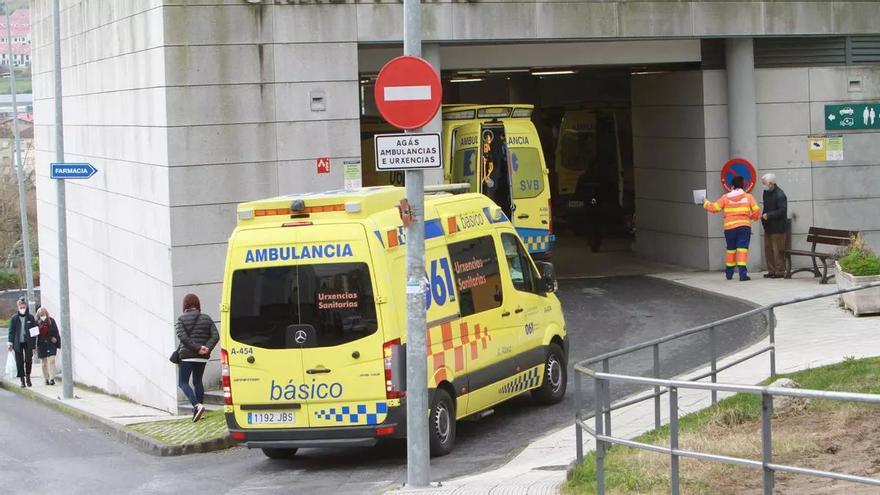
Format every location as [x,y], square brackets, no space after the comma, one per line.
[547,283]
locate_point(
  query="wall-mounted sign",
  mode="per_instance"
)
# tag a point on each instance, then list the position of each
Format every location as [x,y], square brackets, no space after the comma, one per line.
[825,148]
[323,165]
[852,117]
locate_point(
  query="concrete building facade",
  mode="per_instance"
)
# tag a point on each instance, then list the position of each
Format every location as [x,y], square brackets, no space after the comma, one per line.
[188,107]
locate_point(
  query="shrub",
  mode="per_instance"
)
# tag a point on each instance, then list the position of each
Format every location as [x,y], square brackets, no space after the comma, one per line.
[9,280]
[859,259]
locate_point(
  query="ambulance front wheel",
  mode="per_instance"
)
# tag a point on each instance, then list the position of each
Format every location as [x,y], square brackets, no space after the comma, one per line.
[441,424]
[552,388]
[275,453]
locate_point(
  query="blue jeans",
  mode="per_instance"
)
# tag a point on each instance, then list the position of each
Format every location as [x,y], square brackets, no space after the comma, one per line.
[196,370]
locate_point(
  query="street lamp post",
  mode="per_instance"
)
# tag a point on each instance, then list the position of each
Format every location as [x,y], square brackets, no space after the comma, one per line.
[19,172]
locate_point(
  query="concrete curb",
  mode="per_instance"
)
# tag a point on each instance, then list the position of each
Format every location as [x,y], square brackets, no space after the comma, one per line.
[124,434]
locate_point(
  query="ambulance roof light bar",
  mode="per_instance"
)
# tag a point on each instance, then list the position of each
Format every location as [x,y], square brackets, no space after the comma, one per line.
[461,187]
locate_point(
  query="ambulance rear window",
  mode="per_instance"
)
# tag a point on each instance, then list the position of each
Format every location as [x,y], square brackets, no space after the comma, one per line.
[333,303]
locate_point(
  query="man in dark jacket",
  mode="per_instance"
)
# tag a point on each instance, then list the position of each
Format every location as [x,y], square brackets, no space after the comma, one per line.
[774,220]
[22,342]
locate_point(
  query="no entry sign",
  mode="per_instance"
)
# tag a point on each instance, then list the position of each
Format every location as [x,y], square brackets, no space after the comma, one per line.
[408,92]
[738,167]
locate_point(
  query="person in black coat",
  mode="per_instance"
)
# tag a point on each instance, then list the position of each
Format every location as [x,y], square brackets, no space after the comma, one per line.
[774,221]
[48,342]
[198,335]
[21,342]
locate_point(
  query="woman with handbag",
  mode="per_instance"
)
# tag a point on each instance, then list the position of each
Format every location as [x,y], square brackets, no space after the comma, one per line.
[197,335]
[48,342]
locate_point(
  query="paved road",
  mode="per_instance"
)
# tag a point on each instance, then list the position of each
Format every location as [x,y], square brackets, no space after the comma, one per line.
[43,451]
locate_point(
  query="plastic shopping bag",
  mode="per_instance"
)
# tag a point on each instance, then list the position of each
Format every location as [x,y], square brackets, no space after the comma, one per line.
[11,369]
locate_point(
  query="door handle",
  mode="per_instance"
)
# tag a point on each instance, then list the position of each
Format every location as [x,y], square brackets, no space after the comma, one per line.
[506,313]
[518,310]
[315,371]
[523,216]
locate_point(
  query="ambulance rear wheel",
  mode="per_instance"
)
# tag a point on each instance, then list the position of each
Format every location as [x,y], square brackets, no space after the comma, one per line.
[273,453]
[441,424]
[552,388]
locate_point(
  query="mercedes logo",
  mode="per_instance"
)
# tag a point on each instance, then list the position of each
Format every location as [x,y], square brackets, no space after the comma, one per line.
[300,336]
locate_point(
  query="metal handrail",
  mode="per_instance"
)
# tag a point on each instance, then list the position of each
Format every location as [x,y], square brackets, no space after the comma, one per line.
[604,407]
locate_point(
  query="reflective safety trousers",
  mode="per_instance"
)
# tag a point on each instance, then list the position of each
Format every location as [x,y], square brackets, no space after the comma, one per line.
[739,207]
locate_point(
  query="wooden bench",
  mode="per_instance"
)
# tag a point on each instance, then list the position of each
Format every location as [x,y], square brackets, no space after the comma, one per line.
[816,236]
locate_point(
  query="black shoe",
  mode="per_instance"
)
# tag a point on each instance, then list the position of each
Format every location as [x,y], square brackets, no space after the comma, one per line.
[198,412]
[745,279]
[47,382]
[22,383]
[51,382]
[769,275]
[28,380]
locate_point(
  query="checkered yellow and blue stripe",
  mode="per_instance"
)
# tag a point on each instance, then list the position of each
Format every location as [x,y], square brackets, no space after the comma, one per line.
[526,380]
[359,414]
[536,240]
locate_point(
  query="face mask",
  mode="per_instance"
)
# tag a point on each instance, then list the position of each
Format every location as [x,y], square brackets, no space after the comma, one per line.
[21,311]
[43,318]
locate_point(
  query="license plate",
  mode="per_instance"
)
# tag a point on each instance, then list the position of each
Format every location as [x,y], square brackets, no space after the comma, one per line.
[271,418]
[575,204]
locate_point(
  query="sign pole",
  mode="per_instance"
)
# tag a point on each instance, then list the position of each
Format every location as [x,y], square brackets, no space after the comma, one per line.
[418,460]
[19,170]
[63,289]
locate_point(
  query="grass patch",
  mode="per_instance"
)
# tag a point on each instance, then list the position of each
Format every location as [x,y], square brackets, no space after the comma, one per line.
[732,427]
[4,323]
[22,85]
[184,431]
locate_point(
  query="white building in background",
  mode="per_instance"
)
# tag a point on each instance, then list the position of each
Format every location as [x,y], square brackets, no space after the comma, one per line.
[20,30]
[187,109]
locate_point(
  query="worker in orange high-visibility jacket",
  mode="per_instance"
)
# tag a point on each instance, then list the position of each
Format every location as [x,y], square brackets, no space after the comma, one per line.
[740,210]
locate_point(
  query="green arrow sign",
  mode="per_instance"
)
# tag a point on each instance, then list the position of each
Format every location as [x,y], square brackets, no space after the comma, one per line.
[852,117]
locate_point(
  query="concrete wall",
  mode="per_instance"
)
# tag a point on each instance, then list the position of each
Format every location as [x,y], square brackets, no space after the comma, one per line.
[836,194]
[483,20]
[119,226]
[240,122]
[676,133]
[680,143]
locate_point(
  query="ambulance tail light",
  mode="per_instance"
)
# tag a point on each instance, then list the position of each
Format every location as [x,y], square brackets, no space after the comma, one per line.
[296,224]
[384,431]
[387,351]
[224,377]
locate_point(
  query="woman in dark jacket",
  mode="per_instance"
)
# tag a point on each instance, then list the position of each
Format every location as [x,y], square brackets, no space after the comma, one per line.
[198,335]
[21,342]
[48,343]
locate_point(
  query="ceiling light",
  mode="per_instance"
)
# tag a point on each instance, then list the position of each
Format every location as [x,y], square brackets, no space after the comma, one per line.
[506,71]
[552,72]
[471,72]
[466,80]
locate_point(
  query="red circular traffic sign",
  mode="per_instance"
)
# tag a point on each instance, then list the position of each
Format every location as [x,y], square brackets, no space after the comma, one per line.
[408,92]
[738,167]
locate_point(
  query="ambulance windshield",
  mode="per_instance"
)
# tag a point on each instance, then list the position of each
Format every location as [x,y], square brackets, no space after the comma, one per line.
[326,304]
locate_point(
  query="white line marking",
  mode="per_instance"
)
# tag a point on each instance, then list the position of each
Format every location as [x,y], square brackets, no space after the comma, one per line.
[407,93]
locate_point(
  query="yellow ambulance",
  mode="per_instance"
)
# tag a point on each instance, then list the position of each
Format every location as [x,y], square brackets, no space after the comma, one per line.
[314,308]
[495,149]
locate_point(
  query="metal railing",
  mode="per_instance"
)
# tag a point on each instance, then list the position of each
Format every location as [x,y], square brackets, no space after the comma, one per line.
[603,406]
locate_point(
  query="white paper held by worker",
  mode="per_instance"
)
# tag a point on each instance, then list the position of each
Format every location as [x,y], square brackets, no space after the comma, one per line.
[34,331]
[699,196]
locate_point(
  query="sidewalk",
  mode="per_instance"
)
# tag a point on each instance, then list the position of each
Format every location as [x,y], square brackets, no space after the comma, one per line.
[116,416]
[808,335]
